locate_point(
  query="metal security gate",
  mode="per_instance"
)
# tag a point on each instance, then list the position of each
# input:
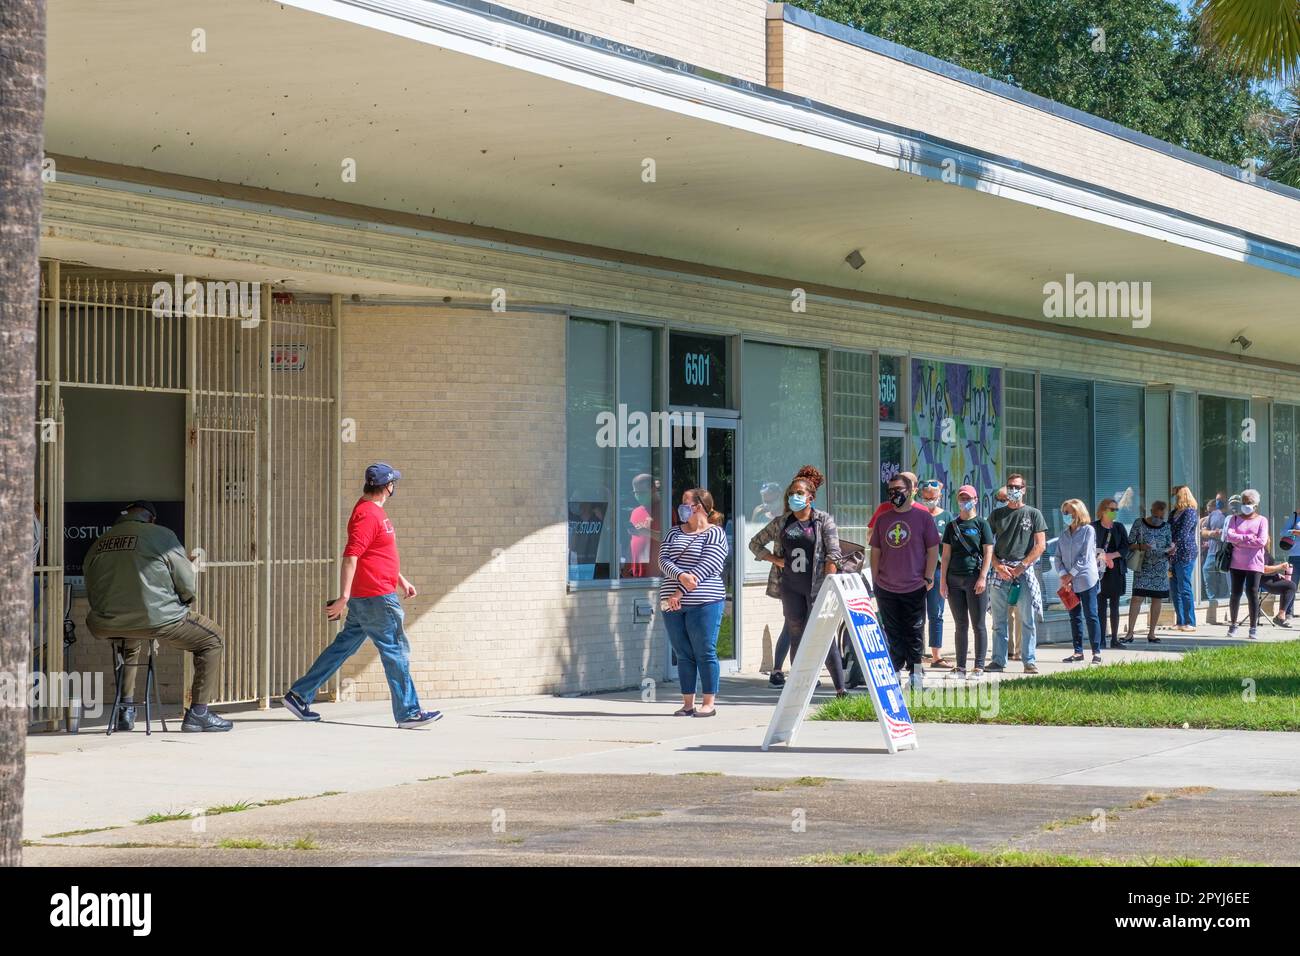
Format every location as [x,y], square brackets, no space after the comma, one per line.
[261,456]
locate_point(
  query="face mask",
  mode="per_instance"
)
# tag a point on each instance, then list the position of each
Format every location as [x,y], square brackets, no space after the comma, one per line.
[798,502]
[1015,494]
[967,506]
[1112,515]
[1067,516]
[1247,509]
[930,503]
[898,497]
[684,512]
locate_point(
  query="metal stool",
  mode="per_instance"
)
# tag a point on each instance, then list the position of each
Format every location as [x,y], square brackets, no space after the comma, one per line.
[150,686]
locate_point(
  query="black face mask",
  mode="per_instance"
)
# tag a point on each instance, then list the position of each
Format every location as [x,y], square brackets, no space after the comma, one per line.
[898,497]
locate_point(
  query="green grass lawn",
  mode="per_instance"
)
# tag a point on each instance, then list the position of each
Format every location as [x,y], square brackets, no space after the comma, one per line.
[1252,687]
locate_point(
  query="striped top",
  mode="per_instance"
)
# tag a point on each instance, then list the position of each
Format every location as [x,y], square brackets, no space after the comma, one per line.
[704,555]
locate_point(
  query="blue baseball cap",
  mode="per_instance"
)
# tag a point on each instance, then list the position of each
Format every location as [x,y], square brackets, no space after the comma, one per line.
[381,473]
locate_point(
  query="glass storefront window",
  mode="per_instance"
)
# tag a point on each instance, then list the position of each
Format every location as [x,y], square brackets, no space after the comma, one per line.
[590,470]
[784,429]
[639,492]
[1225,453]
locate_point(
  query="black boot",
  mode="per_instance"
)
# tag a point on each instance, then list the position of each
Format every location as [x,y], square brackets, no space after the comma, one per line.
[206,722]
[125,718]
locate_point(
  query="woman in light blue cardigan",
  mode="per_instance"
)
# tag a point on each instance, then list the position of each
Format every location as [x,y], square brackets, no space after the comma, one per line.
[1076,560]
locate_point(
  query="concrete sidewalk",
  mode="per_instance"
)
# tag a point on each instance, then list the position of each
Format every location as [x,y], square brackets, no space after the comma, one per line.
[89,780]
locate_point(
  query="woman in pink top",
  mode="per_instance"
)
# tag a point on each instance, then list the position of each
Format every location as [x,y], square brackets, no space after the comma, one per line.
[1248,534]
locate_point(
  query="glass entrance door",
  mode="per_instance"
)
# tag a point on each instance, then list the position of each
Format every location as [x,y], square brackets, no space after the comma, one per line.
[706,458]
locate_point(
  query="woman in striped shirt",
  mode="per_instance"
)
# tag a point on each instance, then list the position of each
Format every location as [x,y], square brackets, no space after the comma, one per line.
[693,596]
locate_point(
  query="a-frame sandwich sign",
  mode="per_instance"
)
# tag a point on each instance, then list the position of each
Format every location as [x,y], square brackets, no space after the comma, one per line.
[846,599]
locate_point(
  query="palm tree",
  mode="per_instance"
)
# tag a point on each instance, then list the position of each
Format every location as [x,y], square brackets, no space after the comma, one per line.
[1282,158]
[1259,37]
[22,111]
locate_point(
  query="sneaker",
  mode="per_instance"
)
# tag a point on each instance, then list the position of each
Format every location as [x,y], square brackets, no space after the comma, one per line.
[776,679]
[1232,630]
[918,679]
[125,719]
[1096,658]
[995,668]
[299,707]
[959,673]
[1252,635]
[204,723]
[977,673]
[421,718]
[1031,668]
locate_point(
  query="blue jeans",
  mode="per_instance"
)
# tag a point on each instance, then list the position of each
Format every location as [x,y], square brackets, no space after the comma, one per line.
[693,633]
[1086,609]
[380,619]
[1028,625]
[1214,582]
[1184,599]
[934,611]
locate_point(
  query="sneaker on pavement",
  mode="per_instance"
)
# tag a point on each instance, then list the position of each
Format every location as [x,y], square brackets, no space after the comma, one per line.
[421,718]
[299,707]
[776,679]
[1232,630]
[995,668]
[1031,668]
[206,722]
[1253,635]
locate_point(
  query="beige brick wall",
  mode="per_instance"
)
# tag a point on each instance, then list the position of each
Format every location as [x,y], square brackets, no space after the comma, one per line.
[840,74]
[722,35]
[470,406]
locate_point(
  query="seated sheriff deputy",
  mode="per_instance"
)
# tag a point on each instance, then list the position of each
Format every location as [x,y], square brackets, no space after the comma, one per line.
[140,584]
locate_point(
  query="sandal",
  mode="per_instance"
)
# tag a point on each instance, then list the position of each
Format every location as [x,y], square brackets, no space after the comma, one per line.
[711,713]
[939,665]
[684,712]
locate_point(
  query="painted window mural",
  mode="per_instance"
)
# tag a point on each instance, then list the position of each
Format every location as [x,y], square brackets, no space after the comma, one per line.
[957,427]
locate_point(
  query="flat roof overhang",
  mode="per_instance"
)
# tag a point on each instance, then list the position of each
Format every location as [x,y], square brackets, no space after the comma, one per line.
[453,114]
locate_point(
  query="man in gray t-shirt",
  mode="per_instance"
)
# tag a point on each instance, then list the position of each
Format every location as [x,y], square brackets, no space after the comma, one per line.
[1019,540]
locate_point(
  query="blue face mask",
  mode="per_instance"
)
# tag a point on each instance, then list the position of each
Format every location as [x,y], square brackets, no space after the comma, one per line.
[1015,494]
[967,506]
[798,502]
[684,512]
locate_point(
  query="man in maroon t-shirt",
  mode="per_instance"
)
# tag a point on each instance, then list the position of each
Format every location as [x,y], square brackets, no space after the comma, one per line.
[904,553]
[371,586]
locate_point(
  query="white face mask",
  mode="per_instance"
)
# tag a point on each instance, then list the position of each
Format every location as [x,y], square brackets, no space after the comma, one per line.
[1247,509]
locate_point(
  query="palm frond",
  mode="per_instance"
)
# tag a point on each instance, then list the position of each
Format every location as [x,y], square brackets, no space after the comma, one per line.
[1259,37]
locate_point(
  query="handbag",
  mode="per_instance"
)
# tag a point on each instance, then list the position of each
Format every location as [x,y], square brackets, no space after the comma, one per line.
[1068,597]
[1135,559]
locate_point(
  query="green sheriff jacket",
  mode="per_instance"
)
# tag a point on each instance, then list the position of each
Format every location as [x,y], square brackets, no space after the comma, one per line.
[137,577]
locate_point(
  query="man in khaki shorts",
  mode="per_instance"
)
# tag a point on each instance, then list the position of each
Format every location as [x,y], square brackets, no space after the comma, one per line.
[140,584]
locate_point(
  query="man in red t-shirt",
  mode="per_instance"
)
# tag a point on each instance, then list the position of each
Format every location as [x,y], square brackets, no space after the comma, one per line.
[371,586]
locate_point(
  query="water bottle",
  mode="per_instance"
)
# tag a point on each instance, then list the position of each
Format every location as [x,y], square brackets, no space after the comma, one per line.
[1013,593]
